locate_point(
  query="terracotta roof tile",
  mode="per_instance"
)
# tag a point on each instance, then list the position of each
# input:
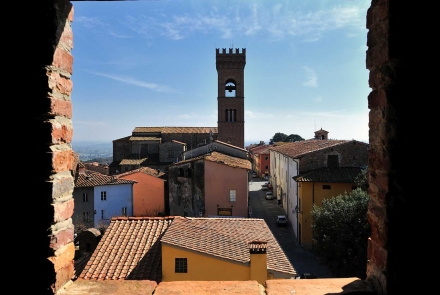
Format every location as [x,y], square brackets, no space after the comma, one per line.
[299,148]
[227,238]
[92,178]
[230,145]
[129,250]
[146,170]
[133,161]
[176,129]
[140,138]
[343,174]
[222,159]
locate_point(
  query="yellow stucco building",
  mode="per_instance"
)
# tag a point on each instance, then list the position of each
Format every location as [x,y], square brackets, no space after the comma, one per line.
[315,186]
[227,249]
[175,248]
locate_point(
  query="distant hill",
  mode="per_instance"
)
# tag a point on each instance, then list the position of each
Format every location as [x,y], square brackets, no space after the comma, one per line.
[101,152]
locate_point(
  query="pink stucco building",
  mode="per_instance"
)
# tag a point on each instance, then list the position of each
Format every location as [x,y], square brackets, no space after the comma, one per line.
[148,191]
[213,184]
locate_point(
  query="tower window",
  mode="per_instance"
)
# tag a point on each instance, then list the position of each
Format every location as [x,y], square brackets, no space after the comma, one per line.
[230,89]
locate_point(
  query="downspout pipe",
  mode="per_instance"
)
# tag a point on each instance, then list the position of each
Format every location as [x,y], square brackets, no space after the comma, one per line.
[297,199]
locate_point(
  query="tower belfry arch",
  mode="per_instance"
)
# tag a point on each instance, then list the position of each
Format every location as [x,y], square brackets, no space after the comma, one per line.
[230,70]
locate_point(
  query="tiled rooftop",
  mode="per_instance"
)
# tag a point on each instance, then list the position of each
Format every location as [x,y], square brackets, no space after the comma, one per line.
[259,149]
[176,129]
[134,159]
[141,138]
[222,159]
[343,174]
[230,145]
[298,148]
[227,238]
[129,250]
[146,170]
[92,178]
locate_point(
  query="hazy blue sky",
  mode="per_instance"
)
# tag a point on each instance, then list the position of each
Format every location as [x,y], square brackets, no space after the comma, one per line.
[152,63]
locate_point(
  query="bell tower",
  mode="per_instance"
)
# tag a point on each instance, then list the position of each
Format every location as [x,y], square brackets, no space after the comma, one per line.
[230,70]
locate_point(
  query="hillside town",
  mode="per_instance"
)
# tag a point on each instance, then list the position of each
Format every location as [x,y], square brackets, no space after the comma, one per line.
[188,185]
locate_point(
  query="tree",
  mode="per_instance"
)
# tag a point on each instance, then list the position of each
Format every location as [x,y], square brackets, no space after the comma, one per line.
[293,137]
[361,180]
[341,231]
[278,137]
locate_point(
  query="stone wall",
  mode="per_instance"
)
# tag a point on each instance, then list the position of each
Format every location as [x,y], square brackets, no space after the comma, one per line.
[177,148]
[186,188]
[191,139]
[121,148]
[48,98]
[351,154]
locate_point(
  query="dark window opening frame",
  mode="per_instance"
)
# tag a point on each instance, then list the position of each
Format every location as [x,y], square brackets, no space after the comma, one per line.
[180,265]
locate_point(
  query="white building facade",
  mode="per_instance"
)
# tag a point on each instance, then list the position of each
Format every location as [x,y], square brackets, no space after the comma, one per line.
[283,168]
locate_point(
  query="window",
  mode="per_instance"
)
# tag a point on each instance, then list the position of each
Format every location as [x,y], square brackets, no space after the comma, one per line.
[326,186]
[267,167]
[124,211]
[85,216]
[181,172]
[85,197]
[170,153]
[332,161]
[232,195]
[181,265]
[189,172]
[104,196]
[266,158]
[102,214]
[230,89]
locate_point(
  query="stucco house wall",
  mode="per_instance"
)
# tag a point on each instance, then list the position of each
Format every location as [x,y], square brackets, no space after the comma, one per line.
[118,196]
[201,267]
[148,194]
[219,180]
[81,207]
[312,193]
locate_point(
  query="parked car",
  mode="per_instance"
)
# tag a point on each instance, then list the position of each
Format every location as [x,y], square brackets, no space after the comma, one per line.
[265,186]
[281,220]
[270,196]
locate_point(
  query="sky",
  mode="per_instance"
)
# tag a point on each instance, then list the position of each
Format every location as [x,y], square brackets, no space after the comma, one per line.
[151,63]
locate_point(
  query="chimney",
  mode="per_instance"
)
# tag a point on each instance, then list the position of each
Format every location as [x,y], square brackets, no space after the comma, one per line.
[258,261]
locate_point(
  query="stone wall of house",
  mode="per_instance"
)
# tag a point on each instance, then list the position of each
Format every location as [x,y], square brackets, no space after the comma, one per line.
[164,155]
[186,188]
[351,154]
[121,148]
[192,140]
